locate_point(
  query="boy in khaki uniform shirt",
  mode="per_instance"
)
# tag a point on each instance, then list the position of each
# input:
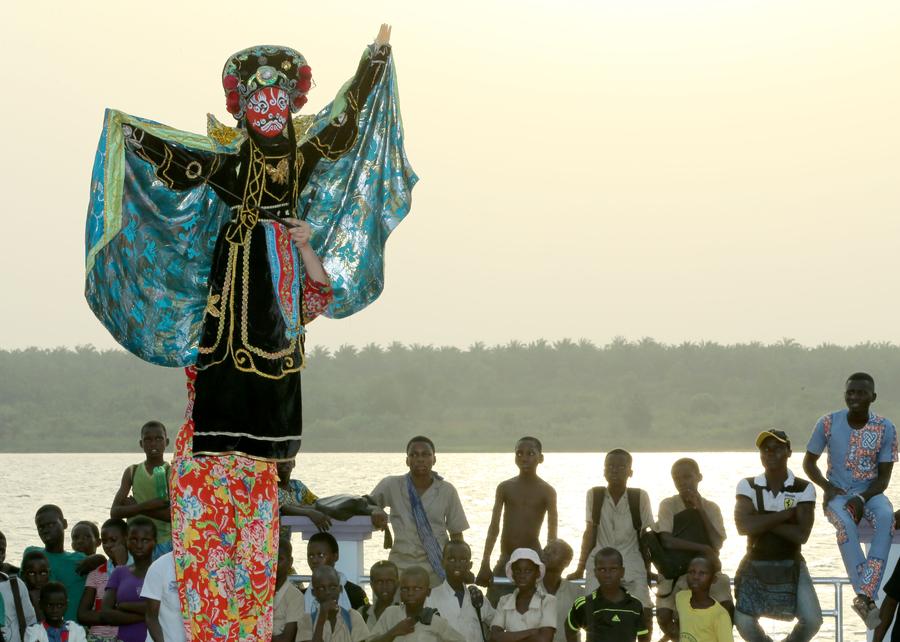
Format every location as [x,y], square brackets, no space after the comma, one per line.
[411,621]
[686,476]
[441,503]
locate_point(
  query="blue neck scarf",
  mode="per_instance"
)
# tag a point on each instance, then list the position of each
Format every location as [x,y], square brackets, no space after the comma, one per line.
[423,527]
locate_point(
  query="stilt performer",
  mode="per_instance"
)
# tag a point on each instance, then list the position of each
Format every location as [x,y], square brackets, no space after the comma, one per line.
[203,252]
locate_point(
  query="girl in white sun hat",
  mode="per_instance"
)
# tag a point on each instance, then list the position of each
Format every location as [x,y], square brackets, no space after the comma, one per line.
[529,612]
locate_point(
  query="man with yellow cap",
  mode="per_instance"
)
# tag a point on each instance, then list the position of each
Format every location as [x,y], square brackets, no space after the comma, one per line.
[775,510]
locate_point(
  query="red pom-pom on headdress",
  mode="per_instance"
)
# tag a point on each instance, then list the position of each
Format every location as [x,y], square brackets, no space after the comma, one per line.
[305,71]
[233,102]
[230,82]
[304,84]
[299,101]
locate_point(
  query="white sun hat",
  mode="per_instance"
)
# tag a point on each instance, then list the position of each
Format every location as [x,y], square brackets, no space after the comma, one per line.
[525,554]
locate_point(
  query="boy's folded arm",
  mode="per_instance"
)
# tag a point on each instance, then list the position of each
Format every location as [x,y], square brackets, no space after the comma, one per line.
[797,532]
[122,500]
[137,607]
[86,613]
[90,563]
[751,522]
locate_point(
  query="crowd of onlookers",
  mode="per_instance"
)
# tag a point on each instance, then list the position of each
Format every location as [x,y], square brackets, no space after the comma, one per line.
[427,588]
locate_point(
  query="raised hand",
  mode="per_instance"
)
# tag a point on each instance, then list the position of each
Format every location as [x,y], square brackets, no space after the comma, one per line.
[384,35]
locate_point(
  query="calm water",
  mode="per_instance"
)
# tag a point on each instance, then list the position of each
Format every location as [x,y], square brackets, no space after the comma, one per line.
[84,485]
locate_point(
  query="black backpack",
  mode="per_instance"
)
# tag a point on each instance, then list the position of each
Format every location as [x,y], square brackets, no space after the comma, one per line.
[672,564]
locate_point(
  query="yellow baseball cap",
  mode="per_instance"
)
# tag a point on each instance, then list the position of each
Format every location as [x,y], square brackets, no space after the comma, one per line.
[778,435]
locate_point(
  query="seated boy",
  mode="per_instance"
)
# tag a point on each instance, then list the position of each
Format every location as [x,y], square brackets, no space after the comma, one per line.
[54,625]
[160,591]
[415,498]
[412,621]
[609,613]
[700,617]
[384,578]
[67,567]
[330,622]
[557,555]
[144,489]
[694,524]
[323,550]
[453,600]
[862,449]
[288,599]
[616,515]
[522,501]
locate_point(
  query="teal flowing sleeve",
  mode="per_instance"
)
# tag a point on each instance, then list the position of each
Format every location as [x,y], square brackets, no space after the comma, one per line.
[353,200]
[148,247]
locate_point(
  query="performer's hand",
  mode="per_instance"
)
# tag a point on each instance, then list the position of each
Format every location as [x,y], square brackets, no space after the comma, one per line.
[379,519]
[300,232]
[384,35]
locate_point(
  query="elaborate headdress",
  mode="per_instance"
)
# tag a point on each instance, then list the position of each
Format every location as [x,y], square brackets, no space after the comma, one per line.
[265,66]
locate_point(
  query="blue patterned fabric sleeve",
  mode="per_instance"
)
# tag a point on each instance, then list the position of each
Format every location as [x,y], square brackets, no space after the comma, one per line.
[149,248]
[354,202]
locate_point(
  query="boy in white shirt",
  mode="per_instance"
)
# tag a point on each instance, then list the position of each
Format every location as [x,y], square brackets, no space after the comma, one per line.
[53,603]
[453,600]
[160,589]
[288,598]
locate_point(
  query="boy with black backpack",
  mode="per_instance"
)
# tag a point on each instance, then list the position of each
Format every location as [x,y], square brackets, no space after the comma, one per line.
[616,516]
[688,526]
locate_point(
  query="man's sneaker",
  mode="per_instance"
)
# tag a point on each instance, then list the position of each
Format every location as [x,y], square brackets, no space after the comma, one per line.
[865,608]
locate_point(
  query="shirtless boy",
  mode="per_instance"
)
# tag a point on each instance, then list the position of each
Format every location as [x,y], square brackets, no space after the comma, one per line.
[522,501]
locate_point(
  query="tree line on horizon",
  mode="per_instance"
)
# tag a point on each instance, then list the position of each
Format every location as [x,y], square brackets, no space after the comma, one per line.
[574,395]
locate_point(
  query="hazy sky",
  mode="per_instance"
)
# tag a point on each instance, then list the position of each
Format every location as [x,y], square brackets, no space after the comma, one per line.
[680,169]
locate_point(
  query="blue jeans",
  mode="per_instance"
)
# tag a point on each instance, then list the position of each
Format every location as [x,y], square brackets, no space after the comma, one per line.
[809,615]
[865,573]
